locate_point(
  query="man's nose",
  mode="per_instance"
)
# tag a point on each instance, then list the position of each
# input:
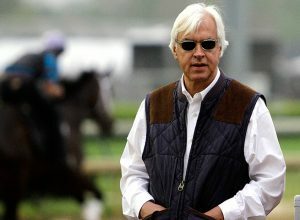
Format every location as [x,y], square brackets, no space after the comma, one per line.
[198,51]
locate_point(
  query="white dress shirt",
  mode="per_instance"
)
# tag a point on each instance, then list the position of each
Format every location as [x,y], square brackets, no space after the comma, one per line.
[262,153]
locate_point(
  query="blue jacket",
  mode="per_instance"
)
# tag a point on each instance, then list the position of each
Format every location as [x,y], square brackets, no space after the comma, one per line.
[38,66]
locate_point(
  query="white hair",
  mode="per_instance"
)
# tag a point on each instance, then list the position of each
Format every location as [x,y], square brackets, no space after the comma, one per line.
[190,18]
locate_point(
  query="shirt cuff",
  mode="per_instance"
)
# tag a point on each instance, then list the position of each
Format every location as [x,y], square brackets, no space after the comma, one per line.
[230,209]
[139,201]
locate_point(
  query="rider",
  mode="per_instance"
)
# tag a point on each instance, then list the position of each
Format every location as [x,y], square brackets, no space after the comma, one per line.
[31,83]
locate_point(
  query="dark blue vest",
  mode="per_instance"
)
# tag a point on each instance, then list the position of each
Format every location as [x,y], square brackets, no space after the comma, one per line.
[217,169]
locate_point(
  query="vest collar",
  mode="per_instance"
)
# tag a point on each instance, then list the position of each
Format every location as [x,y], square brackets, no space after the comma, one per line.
[181,96]
[218,88]
[212,94]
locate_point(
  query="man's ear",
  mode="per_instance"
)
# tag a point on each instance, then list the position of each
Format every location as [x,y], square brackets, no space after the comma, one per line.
[220,51]
[174,52]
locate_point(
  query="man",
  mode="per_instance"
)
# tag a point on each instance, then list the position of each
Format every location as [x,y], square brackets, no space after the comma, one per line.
[42,66]
[205,146]
[30,83]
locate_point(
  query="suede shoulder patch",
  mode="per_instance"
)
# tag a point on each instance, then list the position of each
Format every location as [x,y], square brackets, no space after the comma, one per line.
[161,104]
[232,106]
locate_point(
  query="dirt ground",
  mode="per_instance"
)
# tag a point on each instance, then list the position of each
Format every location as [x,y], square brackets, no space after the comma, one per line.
[283,211]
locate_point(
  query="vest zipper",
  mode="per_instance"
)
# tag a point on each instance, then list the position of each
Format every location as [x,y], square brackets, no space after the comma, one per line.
[181,186]
[180,189]
[180,201]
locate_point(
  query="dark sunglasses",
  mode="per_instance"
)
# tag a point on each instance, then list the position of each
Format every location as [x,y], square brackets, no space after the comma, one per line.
[189,45]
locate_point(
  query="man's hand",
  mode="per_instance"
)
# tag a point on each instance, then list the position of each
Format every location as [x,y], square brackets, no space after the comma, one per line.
[216,213]
[53,90]
[149,207]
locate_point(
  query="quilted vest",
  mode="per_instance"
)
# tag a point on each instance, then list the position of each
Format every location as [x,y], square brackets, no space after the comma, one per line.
[217,169]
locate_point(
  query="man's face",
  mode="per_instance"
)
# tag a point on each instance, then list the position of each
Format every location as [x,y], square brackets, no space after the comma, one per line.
[198,65]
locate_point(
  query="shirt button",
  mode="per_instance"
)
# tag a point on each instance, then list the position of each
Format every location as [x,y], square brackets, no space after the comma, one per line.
[195,115]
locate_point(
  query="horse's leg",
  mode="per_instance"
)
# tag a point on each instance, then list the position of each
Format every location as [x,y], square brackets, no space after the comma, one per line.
[81,183]
[103,119]
[92,207]
[78,185]
[11,209]
[14,180]
[75,154]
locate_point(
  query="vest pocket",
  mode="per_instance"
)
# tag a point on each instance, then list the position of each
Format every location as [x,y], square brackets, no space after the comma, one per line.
[193,214]
[159,215]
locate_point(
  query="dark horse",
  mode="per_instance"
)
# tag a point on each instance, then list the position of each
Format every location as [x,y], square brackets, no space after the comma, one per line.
[84,99]
[22,173]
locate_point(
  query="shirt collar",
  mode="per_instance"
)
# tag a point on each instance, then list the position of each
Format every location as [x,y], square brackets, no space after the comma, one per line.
[203,93]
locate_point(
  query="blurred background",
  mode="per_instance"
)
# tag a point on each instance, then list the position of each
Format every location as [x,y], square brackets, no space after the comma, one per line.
[129,39]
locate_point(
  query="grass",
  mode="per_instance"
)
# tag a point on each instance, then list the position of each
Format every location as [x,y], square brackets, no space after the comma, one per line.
[291,151]
[125,110]
[290,145]
[288,107]
[285,108]
[104,147]
[290,148]
[111,148]
[50,208]
[285,210]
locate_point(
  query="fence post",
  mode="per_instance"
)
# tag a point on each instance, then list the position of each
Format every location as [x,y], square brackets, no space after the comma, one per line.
[297,207]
